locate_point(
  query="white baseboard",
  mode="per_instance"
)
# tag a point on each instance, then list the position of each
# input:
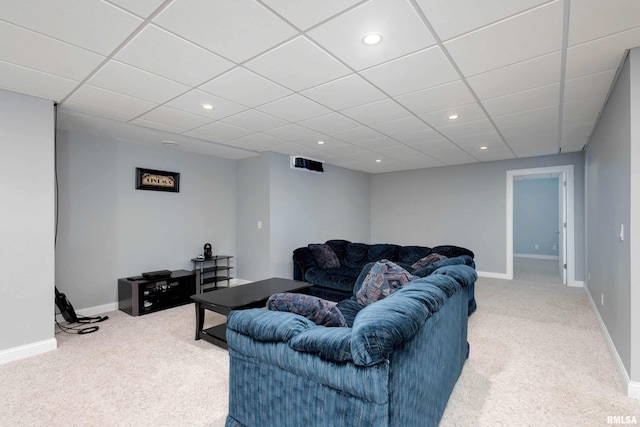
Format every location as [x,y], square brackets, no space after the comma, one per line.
[537,256]
[492,275]
[576,284]
[27,350]
[632,388]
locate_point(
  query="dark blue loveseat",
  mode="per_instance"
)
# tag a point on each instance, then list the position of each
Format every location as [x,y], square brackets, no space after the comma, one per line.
[336,284]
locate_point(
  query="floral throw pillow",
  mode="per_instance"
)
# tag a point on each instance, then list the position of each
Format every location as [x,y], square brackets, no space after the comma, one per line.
[319,311]
[384,278]
[324,256]
[432,257]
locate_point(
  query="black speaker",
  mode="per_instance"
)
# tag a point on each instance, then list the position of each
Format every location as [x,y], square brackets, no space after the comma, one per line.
[207,251]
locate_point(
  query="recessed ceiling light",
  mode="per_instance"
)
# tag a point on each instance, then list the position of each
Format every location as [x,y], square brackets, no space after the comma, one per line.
[453,117]
[169,143]
[207,106]
[484,147]
[372,38]
[320,142]
[378,161]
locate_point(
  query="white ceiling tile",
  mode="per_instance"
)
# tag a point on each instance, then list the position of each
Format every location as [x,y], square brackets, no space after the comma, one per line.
[421,161]
[400,126]
[345,93]
[531,139]
[236,30]
[382,142]
[294,108]
[540,120]
[244,87]
[298,65]
[465,129]
[412,68]
[519,38]
[437,98]
[291,132]
[402,30]
[601,54]
[454,17]
[156,125]
[356,135]
[330,123]
[334,147]
[454,157]
[142,8]
[175,118]
[526,147]
[219,131]
[589,108]
[465,113]
[577,128]
[193,101]
[257,142]
[588,86]
[100,102]
[118,77]
[399,152]
[493,154]
[522,101]
[376,112]
[490,139]
[307,13]
[422,137]
[91,24]
[592,19]
[45,54]
[255,120]
[574,144]
[34,83]
[159,52]
[541,71]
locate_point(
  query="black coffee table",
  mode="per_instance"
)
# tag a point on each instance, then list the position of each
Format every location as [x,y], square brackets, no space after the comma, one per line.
[241,297]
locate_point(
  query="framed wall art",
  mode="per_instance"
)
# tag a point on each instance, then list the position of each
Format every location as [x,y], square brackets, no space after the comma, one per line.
[151,179]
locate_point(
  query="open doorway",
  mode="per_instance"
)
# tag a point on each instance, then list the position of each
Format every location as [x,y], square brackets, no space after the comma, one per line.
[563,241]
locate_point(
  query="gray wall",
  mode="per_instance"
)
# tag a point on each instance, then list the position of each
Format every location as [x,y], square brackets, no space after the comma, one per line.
[27,226]
[611,195]
[535,216]
[296,208]
[462,205]
[313,208]
[108,229]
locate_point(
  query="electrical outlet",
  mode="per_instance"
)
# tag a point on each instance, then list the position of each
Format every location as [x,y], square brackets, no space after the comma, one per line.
[602,300]
[555,247]
[536,246]
[259,225]
[589,276]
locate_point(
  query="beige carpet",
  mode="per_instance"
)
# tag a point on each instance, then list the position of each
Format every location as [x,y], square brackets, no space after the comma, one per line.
[537,359]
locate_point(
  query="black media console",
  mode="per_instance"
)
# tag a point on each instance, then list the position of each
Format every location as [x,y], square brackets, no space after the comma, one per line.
[138,296]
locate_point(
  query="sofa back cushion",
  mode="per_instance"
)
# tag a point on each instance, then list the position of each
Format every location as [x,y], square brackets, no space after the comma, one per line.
[410,254]
[384,278]
[339,247]
[356,255]
[383,251]
[451,251]
[431,258]
[324,256]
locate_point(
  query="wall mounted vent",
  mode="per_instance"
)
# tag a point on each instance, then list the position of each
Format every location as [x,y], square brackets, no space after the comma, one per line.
[307,164]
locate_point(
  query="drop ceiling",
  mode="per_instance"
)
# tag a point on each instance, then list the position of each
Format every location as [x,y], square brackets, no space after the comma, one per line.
[525,77]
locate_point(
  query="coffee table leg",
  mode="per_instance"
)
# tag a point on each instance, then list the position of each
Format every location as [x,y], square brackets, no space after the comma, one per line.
[199,319]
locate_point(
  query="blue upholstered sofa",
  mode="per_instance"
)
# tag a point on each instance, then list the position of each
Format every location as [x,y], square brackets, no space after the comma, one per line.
[336,284]
[394,365]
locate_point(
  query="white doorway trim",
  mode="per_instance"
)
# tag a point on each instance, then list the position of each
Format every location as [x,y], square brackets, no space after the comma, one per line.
[567,172]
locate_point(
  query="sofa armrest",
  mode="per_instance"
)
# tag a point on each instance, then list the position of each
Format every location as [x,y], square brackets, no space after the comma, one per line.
[302,261]
[267,325]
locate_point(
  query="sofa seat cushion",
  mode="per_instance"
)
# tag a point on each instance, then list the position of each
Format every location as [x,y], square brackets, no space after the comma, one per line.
[383,279]
[319,311]
[341,279]
[324,256]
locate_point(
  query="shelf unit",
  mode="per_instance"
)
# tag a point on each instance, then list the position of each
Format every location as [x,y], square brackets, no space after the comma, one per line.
[138,296]
[212,271]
